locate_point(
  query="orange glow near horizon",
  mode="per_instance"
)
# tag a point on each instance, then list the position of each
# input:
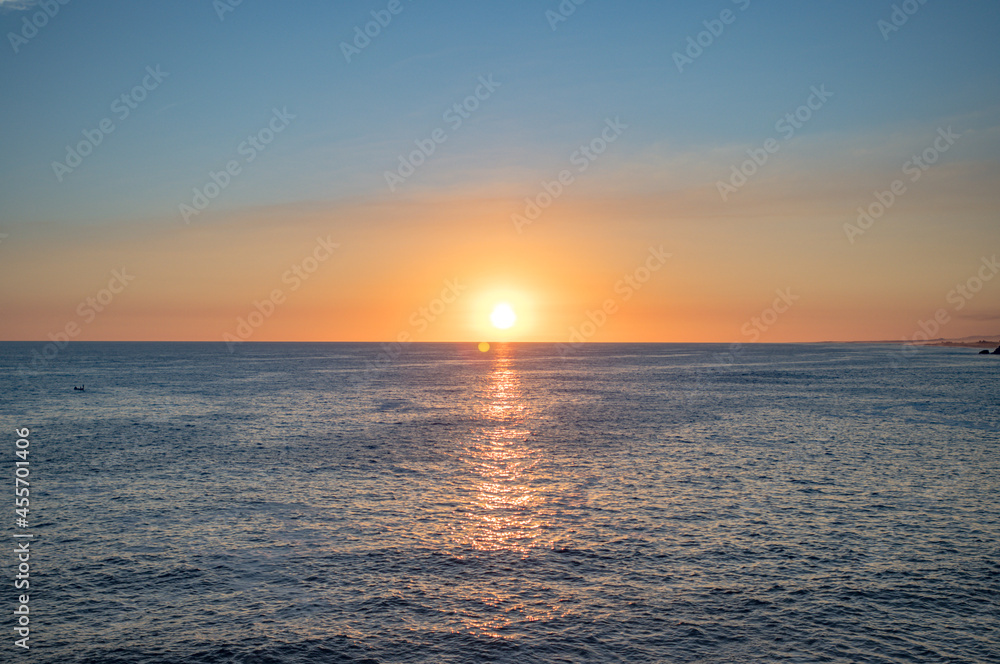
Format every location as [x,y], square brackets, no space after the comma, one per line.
[562,276]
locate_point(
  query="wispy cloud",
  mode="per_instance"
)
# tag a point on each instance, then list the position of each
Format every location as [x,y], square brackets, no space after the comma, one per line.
[18,4]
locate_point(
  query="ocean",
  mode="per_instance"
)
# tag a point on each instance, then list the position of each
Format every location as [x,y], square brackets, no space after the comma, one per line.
[294,503]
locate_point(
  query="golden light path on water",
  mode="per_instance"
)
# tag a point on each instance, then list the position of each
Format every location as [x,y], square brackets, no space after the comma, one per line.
[503,514]
[504,511]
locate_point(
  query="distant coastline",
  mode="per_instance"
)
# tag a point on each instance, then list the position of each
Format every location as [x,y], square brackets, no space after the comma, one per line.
[964,344]
[945,343]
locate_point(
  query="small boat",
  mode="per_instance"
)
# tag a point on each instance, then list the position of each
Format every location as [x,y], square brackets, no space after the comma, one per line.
[80,389]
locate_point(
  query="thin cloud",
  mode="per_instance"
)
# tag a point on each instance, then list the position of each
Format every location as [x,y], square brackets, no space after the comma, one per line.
[18,4]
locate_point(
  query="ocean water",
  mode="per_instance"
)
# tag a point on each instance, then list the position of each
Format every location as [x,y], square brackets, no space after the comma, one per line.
[291,503]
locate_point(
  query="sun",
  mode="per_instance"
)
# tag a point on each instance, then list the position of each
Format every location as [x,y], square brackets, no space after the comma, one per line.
[503,316]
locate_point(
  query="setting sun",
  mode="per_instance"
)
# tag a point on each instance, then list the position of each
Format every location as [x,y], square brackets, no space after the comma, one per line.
[503,316]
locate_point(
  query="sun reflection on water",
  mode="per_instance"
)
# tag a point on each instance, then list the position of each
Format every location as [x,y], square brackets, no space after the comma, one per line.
[503,510]
[503,505]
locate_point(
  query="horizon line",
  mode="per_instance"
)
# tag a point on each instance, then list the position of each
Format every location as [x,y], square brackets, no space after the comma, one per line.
[584,343]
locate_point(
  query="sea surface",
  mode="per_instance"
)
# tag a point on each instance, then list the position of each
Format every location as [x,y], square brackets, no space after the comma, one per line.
[294,503]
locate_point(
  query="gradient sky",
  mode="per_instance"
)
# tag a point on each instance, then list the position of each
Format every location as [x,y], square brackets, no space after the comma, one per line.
[429,259]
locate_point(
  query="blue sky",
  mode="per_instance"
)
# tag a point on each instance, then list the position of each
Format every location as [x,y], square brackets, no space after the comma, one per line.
[557,88]
[353,119]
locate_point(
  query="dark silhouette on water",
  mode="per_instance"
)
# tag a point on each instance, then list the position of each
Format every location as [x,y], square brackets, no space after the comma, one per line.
[81,388]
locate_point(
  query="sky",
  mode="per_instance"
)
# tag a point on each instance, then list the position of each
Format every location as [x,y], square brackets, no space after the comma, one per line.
[727,171]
